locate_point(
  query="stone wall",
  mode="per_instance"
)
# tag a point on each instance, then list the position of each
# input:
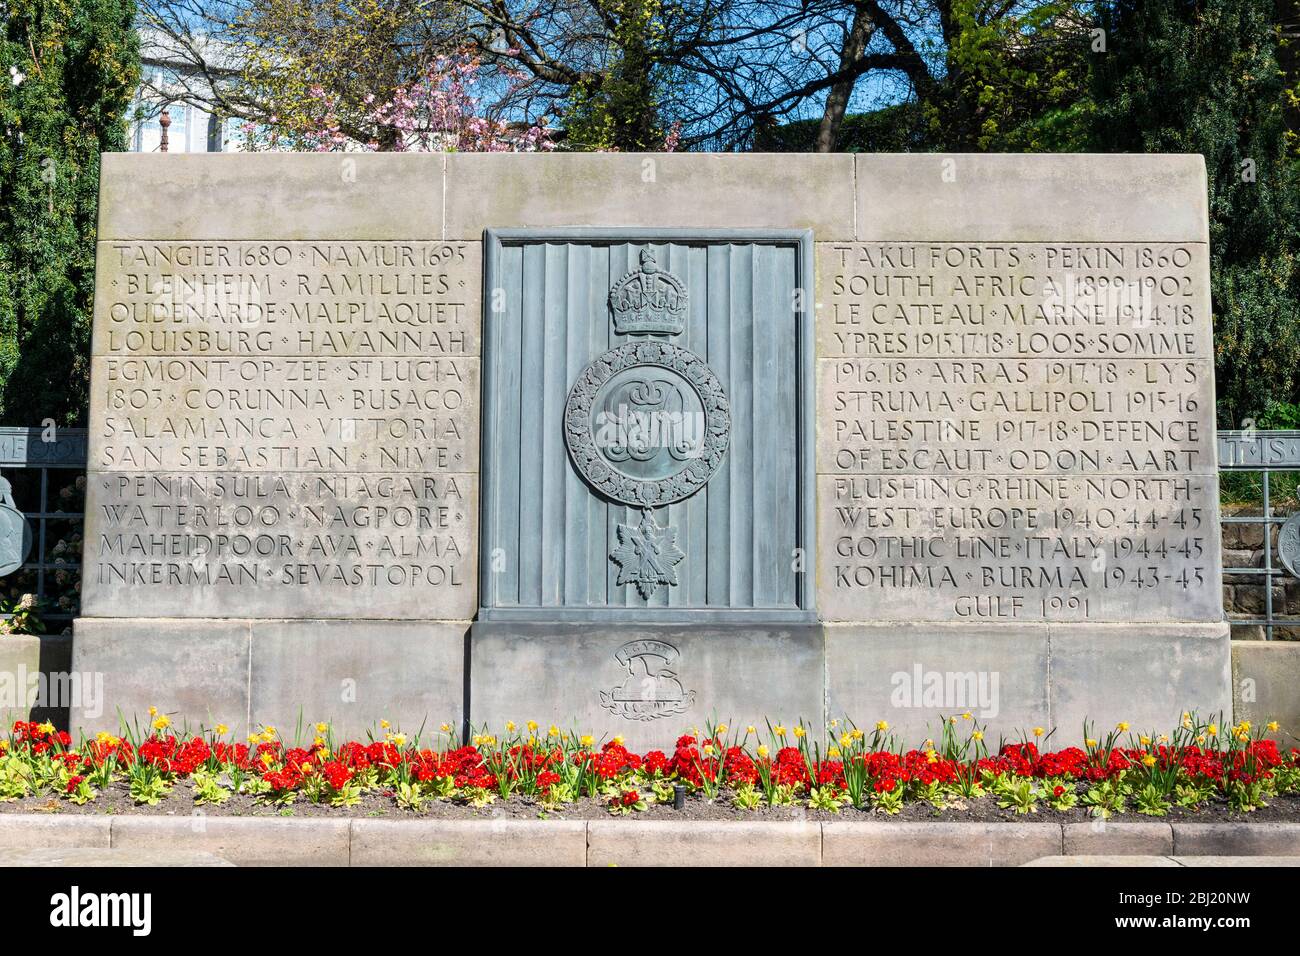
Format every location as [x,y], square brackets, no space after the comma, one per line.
[1012,484]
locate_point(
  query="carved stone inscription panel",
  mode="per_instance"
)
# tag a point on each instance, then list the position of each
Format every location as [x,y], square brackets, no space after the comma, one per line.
[1016,432]
[284,429]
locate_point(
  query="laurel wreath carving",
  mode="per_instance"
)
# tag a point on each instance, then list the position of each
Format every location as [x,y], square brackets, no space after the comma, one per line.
[603,476]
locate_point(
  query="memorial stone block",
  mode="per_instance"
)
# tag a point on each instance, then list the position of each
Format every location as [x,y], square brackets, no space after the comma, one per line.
[634,442]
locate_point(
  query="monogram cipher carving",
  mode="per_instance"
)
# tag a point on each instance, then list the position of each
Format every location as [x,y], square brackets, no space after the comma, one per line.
[647,423]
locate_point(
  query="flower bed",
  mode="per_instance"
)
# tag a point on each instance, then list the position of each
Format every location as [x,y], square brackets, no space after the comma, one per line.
[778,770]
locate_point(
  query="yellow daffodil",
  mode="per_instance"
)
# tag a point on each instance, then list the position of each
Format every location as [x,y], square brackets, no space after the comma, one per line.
[833,752]
[1038,731]
[322,727]
[221,730]
[162,723]
[779,730]
[978,735]
[845,740]
[384,725]
[318,742]
[708,750]
[1122,726]
[618,741]
[532,726]
[445,728]
[1212,730]
[1149,760]
[763,751]
[586,740]
[1144,740]
[399,740]
[1090,742]
[722,728]
[799,732]
[750,730]
[510,726]
[882,725]
[553,731]
[967,716]
[153,711]
[1273,726]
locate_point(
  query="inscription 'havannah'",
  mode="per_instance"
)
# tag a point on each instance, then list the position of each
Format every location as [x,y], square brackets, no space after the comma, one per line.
[1015,431]
[290,425]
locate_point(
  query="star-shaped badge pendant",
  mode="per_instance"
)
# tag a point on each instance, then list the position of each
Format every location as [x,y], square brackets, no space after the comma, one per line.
[646,555]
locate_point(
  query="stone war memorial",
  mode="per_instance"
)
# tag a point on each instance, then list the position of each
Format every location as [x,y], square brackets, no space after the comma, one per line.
[628,443]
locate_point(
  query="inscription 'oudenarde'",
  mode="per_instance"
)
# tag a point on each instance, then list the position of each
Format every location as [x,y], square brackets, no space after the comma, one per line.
[291,425]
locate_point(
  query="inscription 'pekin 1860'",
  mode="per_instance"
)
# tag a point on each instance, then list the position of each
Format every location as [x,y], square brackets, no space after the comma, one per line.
[1015,431]
[285,427]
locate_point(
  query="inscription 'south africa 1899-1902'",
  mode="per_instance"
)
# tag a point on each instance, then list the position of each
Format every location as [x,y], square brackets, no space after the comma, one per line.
[1016,431]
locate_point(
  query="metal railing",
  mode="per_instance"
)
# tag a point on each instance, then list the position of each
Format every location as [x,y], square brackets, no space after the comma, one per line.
[1264,453]
[51,449]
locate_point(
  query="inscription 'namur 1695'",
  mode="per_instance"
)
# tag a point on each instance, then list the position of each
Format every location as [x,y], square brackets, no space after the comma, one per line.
[285,427]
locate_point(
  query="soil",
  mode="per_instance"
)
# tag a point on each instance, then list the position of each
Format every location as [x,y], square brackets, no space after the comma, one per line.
[117,800]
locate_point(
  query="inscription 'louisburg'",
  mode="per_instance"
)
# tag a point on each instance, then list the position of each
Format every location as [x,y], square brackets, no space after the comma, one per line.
[286,418]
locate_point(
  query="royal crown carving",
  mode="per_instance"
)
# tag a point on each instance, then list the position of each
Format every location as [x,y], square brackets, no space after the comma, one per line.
[648,301]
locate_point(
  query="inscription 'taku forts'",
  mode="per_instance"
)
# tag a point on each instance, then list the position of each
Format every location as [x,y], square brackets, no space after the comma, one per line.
[1015,431]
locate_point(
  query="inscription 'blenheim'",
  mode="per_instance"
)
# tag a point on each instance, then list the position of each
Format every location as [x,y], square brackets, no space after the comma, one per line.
[1014,431]
[290,418]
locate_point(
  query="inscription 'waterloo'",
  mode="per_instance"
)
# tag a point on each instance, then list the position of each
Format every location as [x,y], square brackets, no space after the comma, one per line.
[280,419]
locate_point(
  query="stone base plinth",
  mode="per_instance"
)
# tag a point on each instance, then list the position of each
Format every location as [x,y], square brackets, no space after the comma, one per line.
[1013,679]
[35,683]
[647,684]
[251,673]
[650,683]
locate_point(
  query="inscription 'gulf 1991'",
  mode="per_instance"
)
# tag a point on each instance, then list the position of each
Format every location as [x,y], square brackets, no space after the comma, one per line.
[1014,431]
[292,422]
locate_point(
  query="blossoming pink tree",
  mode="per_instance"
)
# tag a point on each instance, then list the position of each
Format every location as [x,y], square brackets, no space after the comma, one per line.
[440,111]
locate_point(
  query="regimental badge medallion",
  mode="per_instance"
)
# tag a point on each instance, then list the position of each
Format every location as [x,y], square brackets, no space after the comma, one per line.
[647,423]
[652,688]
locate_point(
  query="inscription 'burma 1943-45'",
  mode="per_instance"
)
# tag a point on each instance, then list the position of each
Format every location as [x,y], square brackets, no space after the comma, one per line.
[1015,431]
